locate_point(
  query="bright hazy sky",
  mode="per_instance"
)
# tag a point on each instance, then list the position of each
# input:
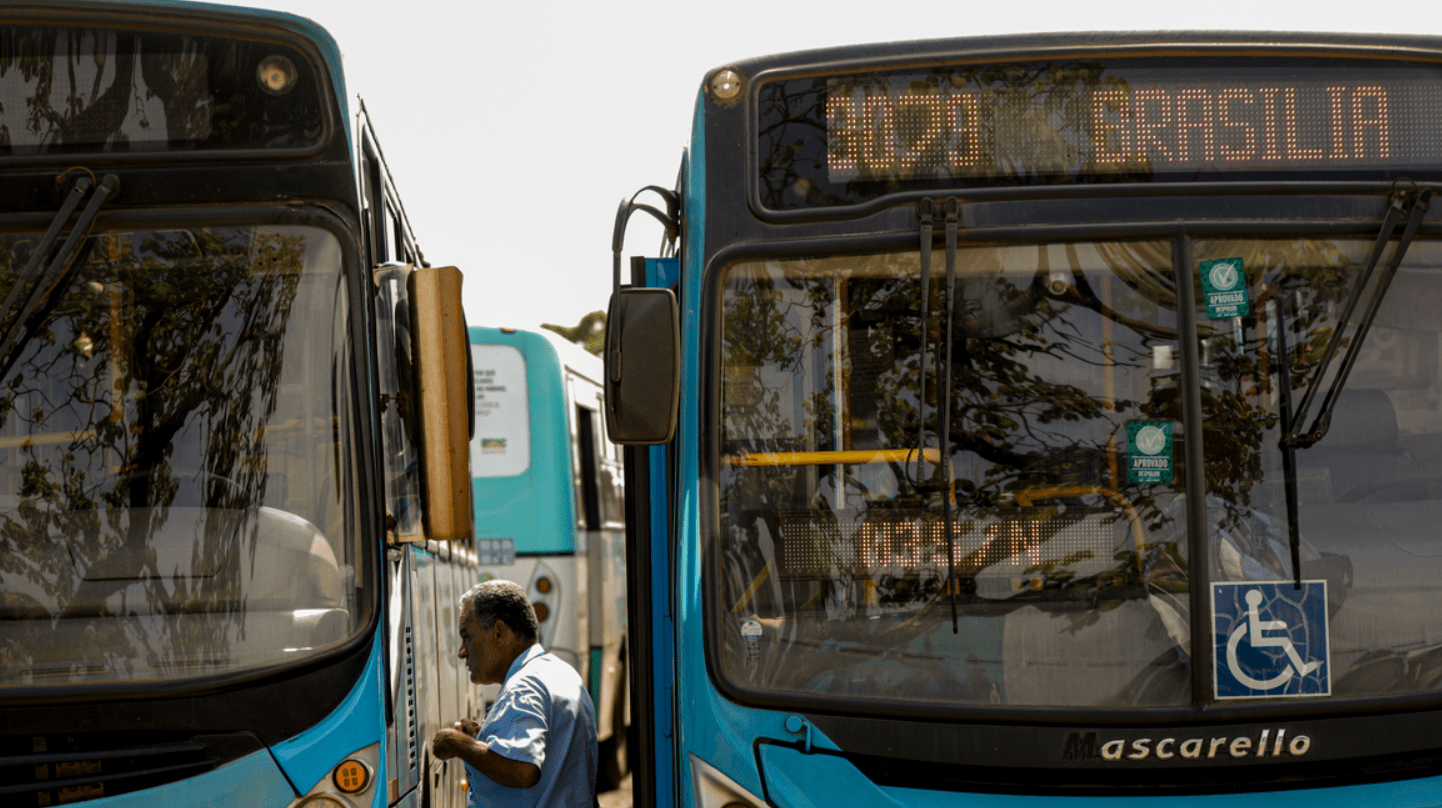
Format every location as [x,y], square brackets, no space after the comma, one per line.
[513,129]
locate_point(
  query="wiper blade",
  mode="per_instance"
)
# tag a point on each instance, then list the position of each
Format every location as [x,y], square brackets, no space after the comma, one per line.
[948,492]
[1415,210]
[1289,452]
[59,265]
[924,213]
[72,200]
[943,481]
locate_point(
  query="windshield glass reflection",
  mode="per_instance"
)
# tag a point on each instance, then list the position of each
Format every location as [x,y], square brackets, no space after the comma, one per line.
[1067,560]
[174,498]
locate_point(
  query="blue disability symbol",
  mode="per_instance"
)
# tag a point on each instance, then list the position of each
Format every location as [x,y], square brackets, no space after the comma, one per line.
[1276,645]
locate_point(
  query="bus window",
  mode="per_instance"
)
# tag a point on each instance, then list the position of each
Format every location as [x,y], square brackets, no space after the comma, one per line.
[589,512]
[399,429]
[501,446]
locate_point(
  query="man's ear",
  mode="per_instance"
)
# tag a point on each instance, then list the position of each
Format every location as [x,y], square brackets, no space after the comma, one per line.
[503,631]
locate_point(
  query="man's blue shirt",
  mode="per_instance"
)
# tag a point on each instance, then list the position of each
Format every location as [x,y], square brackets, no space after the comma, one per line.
[543,716]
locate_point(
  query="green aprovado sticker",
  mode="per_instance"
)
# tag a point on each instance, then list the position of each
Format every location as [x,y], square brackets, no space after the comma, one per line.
[1149,452]
[1224,288]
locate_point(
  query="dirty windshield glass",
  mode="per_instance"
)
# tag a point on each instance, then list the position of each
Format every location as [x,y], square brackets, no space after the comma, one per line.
[174,493]
[1065,578]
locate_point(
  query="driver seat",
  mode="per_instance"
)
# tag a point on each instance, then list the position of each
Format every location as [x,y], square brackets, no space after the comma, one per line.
[1359,456]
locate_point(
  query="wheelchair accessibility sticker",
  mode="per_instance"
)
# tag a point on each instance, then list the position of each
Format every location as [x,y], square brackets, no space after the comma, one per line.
[1270,639]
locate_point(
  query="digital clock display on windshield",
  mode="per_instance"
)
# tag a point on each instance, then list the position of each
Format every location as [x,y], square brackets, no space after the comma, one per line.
[1094,122]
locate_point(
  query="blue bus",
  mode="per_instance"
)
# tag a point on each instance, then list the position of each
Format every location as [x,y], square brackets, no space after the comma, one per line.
[235,510]
[1058,418]
[549,504]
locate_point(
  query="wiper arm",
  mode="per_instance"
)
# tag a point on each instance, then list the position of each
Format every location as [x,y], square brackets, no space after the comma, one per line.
[923,211]
[1289,452]
[943,481]
[1294,438]
[72,200]
[948,491]
[56,270]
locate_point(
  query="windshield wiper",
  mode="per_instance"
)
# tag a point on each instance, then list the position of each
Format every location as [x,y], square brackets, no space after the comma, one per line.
[943,381]
[1293,439]
[1289,452]
[1415,210]
[942,481]
[58,269]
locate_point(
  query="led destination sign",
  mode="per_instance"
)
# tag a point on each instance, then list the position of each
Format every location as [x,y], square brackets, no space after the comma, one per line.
[908,542]
[1087,122]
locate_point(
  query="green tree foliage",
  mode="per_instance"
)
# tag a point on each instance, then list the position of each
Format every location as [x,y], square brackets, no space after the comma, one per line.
[589,333]
[154,366]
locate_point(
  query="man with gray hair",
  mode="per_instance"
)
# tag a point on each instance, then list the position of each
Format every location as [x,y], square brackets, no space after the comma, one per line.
[537,745]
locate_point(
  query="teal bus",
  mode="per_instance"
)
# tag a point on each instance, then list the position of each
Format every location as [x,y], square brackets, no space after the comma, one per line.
[549,504]
[1041,420]
[235,512]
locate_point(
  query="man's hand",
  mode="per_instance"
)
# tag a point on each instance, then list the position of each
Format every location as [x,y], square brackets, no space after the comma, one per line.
[450,743]
[461,742]
[468,726]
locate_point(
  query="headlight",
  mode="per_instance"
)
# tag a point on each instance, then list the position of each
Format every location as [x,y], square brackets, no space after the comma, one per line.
[276,75]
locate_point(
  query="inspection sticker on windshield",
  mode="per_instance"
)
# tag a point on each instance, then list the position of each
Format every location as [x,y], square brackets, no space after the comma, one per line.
[1224,286]
[1149,451]
[1270,639]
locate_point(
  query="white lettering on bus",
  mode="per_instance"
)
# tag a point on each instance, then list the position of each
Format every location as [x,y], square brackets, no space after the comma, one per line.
[1191,749]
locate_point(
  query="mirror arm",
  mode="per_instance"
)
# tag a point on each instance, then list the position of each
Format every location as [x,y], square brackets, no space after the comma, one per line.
[670,220]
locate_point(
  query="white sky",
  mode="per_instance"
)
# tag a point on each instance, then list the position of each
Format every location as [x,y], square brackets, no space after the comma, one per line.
[514,129]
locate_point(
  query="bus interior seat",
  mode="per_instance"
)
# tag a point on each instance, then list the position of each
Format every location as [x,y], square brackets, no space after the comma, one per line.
[1359,455]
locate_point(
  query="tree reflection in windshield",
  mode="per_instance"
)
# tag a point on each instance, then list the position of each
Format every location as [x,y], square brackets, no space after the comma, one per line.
[153,505]
[1072,578]
[835,529]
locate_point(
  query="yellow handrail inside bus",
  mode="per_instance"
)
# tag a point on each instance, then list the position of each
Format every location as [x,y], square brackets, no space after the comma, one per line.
[46,439]
[751,590]
[851,457]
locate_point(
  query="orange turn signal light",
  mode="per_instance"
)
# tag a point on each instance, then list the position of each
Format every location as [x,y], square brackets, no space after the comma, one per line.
[351,777]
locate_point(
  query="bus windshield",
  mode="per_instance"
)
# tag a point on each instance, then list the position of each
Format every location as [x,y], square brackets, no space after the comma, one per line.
[175,500]
[1067,575]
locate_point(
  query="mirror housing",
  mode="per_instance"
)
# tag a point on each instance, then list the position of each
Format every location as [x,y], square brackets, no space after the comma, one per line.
[643,366]
[442,353]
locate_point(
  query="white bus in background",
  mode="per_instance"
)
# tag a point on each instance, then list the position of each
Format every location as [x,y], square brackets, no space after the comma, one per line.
[549,509]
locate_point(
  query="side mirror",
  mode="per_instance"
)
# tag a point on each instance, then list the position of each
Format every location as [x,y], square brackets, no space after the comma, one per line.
[643,366]
[441,356]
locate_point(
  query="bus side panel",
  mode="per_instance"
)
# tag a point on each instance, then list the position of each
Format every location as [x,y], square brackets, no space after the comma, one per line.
[608,619]
[449,698]
[663,484]
[469,693]
[428,718]
[600,479]
[402,733]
